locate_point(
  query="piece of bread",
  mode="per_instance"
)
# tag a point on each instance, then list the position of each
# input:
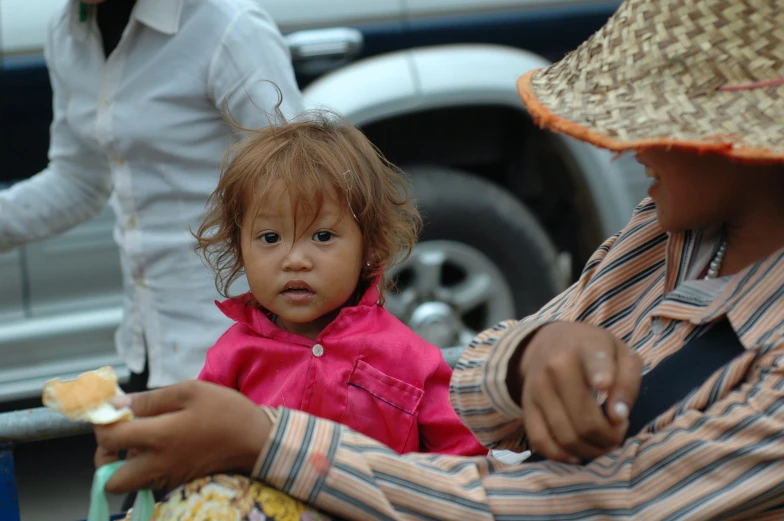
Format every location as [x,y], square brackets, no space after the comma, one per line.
[87,398]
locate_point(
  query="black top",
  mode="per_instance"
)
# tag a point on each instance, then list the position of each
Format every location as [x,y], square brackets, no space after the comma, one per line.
[682,372]
[112,17]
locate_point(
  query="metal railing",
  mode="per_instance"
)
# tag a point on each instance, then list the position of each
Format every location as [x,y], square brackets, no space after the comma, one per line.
[37,425]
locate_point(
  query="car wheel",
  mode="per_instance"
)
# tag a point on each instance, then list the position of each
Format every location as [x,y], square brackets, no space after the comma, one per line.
[482,258]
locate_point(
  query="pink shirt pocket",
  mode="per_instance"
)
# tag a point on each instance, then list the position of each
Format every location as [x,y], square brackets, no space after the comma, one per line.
[383,407]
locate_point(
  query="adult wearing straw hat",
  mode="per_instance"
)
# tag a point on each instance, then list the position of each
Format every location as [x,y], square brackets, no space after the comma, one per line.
[652,389]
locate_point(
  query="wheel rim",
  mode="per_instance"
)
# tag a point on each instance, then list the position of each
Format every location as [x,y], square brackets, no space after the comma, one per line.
[448,291]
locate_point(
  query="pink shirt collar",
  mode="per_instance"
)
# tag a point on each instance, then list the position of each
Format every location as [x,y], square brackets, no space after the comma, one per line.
[241,311]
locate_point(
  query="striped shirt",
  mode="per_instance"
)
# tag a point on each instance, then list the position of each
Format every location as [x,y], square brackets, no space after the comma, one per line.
[719,453]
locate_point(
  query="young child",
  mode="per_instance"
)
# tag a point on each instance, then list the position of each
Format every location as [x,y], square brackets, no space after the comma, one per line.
[312,215]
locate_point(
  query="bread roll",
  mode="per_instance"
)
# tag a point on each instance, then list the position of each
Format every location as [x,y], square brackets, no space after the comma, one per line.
[87,398]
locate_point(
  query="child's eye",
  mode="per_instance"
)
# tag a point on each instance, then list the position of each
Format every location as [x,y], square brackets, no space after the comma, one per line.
[269,238]
[322,236]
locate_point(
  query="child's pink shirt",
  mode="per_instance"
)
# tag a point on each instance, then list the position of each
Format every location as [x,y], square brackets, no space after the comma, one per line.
[366,370]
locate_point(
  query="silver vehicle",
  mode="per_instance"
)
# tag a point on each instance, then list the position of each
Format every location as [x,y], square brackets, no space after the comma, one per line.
[511,212]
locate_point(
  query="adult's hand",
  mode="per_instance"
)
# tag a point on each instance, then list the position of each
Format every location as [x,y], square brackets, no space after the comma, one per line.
[183,432]
[559,372]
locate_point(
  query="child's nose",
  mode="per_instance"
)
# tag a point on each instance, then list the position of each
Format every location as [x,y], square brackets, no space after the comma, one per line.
[297,259]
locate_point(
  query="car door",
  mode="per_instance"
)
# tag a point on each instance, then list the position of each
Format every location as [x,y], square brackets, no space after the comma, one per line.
[11,284]
[75,298]
[12,315]
[549,28]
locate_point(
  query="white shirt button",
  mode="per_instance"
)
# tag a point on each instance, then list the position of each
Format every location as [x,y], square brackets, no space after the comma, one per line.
[138,276]
[318,350]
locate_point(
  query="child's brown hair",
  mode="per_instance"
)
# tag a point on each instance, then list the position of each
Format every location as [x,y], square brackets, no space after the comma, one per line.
[311,154]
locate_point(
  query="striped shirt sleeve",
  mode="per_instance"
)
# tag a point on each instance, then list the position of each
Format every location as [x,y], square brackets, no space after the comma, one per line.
[725,462]
[478,390]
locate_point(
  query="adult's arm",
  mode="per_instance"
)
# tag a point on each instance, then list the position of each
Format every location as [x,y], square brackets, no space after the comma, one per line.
[479,390]
[74,187]
[251,60]
[723,462]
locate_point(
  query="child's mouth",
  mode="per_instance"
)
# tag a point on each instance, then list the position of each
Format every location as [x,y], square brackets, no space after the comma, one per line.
[298,290]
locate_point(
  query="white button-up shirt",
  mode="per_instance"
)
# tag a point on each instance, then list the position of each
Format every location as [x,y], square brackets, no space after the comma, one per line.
[145,126]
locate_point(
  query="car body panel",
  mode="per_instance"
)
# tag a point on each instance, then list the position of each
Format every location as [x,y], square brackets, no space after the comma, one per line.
[35,350]
[56,268]
[11,286]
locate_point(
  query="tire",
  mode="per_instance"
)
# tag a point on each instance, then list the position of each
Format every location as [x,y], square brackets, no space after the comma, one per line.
[483,228]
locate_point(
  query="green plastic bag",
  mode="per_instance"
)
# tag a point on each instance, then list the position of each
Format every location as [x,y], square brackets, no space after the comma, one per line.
[143,507]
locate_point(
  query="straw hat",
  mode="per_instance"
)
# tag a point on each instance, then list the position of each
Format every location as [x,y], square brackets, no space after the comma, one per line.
[701,75]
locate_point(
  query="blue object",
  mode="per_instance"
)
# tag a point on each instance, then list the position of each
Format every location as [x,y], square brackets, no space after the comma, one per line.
[9,497]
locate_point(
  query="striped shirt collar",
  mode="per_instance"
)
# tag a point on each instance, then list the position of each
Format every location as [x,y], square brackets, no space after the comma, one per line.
[745,298]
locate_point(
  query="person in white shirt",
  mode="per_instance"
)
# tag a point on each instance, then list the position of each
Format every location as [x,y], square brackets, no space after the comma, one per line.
[139,88]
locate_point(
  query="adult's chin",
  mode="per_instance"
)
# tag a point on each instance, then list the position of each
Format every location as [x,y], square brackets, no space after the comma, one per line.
[671,221]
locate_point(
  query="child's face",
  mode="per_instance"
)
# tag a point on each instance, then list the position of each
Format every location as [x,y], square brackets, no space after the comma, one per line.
[305,280]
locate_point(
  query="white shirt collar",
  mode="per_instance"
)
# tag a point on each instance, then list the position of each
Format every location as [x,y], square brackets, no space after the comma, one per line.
[161,15]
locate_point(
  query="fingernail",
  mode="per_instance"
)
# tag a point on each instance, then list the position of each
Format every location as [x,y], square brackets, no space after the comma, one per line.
[121,402]
[600,380]
[621,411]
[573,461]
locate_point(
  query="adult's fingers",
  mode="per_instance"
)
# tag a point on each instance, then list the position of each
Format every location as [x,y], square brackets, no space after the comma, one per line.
[598,360]
[161,401]
[540,438]
[138,433]
[136,473]
[626,387]
[591,427]
[104,457]
[563,430]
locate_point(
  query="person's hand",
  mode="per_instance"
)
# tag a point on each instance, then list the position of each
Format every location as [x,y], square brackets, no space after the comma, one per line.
[183,432]
[558,373]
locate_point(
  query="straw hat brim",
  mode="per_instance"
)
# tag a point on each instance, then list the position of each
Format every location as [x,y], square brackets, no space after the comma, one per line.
[699,75]
[543,117]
